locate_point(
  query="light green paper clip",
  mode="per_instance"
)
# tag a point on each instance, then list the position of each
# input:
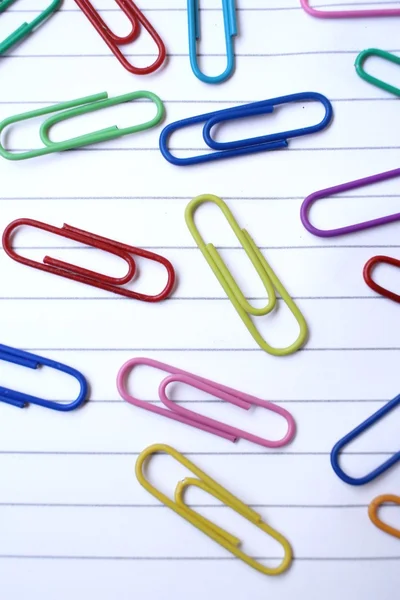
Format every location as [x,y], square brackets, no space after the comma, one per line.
[74,108]
[267,275]
[26,28]
[359,64]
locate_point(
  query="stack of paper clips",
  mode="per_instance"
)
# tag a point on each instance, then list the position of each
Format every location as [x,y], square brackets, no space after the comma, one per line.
[250,315]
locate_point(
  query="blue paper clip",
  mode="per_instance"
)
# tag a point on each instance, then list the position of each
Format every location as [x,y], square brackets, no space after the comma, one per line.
[26,28]
[230,25]
[354,434]
[31,361]
[250,145]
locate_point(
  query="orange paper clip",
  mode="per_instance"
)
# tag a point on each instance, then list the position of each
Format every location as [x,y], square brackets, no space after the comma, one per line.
[113,41]
[76,273]
[373,513]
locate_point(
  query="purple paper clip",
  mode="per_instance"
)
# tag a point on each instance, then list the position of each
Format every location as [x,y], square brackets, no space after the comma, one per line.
[188,417]
[345,187]
[348,14]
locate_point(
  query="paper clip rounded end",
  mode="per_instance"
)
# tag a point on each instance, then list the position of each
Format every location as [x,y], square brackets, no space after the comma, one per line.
[367,274]
[373,509]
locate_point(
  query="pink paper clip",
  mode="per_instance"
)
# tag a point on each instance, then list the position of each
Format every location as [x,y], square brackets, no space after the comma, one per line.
[349,14]
[189,417]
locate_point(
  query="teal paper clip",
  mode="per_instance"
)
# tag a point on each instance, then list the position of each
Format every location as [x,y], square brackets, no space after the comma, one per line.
[230,25]
[74,108]
[359,64]
[26,28]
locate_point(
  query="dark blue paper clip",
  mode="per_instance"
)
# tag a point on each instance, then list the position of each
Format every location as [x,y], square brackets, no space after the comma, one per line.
[355,433]
[250,145]
[31,361]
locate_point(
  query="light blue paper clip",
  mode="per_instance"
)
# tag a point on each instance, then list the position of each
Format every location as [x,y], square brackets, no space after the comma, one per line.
[230,24]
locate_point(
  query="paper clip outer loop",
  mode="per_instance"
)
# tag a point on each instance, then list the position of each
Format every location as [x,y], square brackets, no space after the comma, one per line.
[32,361]
[344,187]
[349,14]
[26,28]
[188,417]
[373,513]
[76,273]
[367,273]
[248,146]
[74,108]
[230,26]
[359,64]
[220,270]
[337,449]
[137,18]
[209,485]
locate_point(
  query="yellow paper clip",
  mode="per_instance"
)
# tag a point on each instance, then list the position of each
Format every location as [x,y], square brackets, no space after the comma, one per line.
[207,484]
[267,275]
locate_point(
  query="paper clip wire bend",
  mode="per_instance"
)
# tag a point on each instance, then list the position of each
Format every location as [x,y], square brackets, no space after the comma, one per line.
[359,64]
[348,14]
[261,143]
[113,41]
[367,273]
[337,449]
[344,187]
[373,509]
[74,108]
[188,417]
[24,30]
[210,486]
[32,361]
[76,273]
[226,280]
[230,25]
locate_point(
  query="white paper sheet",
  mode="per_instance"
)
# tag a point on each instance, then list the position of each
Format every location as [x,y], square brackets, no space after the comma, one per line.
[74,522]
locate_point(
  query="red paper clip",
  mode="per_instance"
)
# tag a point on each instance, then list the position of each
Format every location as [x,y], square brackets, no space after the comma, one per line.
[76,273]
[113,41]
[368,268]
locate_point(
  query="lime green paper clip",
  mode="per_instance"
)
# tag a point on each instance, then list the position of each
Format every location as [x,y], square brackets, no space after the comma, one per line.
[74,108]
[232,290]
[359,64]
[26,28]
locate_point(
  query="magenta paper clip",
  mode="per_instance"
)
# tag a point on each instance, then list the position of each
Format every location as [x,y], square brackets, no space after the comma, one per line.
[189,417]
[349,14]
[345,187]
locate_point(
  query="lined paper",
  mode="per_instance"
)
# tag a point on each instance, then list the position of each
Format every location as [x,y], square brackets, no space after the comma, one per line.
[74,521]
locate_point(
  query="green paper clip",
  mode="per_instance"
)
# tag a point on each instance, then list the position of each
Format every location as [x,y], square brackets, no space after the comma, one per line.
[359,64]
[232,290]
[78,107]
[26,28]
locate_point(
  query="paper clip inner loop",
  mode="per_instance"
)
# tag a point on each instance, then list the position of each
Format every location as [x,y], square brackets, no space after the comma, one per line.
[367,273]
[76,273]
[74,108]
[189,417]
[25,29]
[337,449]
[253,145]
[348,14]
[344,187]
[230,287]
[32,361]
[359,64]
[230,26]
[373,509]
[206,483]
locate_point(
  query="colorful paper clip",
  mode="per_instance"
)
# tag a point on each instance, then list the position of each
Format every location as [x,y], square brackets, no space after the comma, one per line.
[373,513]
[348,14]
[32,361]
[267,275]
[74,108]
[367,273]
[230,25]
[113,41]
[188,417]
[359,64]
[208,485]
[76,273]
[247,146]
[24,30]
[337,449]
[345,187]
